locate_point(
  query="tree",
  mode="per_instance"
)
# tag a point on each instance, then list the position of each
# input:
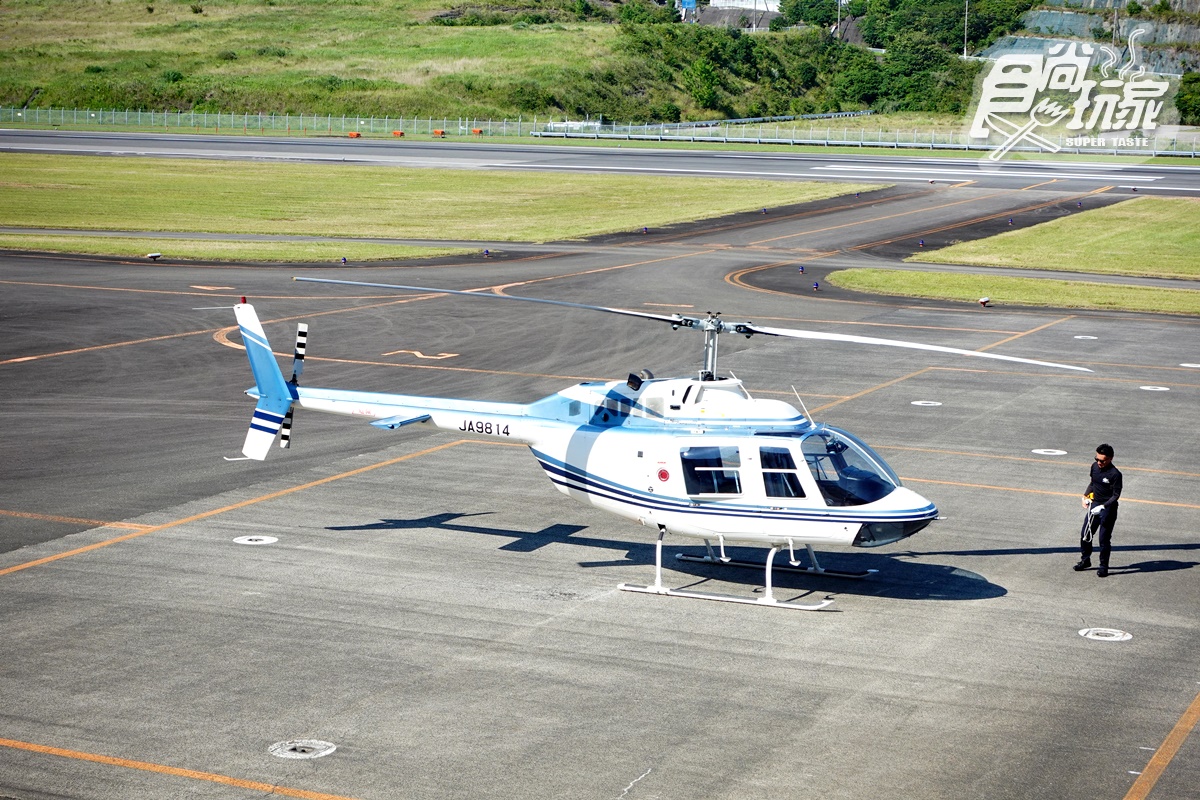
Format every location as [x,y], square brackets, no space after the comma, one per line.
[701,81]
[1187,99]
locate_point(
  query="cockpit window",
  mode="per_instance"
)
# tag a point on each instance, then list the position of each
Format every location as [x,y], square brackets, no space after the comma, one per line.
[711,470]
[848,472]
[779,472]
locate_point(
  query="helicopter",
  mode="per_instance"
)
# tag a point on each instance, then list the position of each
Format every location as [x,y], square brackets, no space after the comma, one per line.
[696,457]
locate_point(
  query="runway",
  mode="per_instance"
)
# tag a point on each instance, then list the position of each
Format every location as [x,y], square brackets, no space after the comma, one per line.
[1177,179]
[431,607]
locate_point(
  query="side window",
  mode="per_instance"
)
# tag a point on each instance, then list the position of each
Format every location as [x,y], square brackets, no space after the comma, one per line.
[711,470]
[779,472]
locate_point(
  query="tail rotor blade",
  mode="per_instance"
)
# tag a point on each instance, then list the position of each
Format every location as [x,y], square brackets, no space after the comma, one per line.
[285,430]
[298,354]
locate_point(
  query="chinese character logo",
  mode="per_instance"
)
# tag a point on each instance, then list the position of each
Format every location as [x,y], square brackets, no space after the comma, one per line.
[1024,93]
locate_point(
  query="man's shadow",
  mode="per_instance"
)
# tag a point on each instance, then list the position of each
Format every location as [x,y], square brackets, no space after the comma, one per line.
[893,576]
[1156,565]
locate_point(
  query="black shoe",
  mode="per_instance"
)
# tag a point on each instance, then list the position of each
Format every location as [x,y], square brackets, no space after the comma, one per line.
[1102,572]
[1083,564]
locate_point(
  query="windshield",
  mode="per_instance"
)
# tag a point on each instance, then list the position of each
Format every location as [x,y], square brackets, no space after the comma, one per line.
[847,472]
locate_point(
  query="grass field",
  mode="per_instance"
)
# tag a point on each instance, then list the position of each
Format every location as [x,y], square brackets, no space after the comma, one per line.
[1016,291]
[209,250]
[93,193]
[363,56]
[1152,236]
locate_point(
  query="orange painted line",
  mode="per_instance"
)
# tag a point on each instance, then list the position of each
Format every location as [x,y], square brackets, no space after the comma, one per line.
[872,389]
[214,512]
[1058,462]
[98,347]
[1166,751]
[162,769]
[1043,183]
[877,219]
[1026,333]
[95,523]
[1124,499]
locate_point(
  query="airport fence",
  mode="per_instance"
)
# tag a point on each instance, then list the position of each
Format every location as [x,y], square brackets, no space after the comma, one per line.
[831,130]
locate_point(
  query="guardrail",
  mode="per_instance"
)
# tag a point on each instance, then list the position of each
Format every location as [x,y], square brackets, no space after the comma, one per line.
[782,131]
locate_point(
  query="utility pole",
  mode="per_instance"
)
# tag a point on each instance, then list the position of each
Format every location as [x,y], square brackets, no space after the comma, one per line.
[966,10]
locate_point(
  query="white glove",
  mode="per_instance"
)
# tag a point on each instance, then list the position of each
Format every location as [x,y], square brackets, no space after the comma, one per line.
[1095,512]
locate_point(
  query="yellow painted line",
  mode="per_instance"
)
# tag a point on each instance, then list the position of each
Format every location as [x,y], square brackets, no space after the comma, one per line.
[1124,499]
[94,523]
[224,509]
[1166,751]
[178,772]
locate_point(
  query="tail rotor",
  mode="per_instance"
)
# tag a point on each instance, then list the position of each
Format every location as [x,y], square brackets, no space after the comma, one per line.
[285,429]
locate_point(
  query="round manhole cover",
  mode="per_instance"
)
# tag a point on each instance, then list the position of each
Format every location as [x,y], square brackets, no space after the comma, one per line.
[301,748]
[1105,634]
[1049,452]
[1155,388]
[930,403]
[256,540]
[1087,338]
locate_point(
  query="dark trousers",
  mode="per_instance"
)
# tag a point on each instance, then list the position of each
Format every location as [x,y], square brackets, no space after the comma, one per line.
[1101,527]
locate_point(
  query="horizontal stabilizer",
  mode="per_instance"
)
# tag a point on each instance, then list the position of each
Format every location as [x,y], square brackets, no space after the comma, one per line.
[399,421]
[264,426]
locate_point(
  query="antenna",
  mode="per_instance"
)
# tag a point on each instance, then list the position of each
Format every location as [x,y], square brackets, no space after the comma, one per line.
[807,416]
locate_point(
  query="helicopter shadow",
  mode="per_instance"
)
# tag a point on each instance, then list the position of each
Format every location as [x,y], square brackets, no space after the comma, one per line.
[896,578]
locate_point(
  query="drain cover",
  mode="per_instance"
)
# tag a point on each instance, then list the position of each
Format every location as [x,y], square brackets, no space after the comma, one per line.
[1049,452]
[256,540]
[1105,634]
[926,403]
[302,748]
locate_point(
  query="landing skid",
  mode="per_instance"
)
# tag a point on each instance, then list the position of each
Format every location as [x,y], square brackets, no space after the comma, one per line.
[726,598]
[768,598]
[794,565]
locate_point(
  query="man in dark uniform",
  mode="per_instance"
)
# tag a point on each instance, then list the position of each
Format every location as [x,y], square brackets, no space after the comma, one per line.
[1100,498]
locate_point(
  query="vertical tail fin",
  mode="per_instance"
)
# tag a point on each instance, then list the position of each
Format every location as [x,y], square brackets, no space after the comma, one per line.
[275,395]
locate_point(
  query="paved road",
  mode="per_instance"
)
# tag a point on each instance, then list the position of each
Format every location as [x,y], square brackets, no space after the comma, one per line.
[1067,176]
[434,609]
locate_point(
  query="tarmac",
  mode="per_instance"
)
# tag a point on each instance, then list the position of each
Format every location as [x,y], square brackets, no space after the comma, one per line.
[177,624]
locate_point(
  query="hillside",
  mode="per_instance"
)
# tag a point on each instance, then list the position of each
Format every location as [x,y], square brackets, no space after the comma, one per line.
[430,57]
[623,60]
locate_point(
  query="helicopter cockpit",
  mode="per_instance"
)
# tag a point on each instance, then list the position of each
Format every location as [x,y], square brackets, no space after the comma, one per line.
[847,471]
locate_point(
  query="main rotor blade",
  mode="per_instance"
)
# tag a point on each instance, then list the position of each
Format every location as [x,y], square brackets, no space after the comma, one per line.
[842,337]
[674,319]
[720,326]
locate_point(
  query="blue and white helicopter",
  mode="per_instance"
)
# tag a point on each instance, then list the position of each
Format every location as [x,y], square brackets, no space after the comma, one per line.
[696,456]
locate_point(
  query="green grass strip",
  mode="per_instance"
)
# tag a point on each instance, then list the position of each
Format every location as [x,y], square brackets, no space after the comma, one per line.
[1149,236]
[224,250]
[1016,291]
[95,193]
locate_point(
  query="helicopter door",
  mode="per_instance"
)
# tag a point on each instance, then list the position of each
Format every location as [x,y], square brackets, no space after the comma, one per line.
[780,476]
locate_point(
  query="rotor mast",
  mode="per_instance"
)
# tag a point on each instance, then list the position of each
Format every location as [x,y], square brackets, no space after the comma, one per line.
[712,327]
